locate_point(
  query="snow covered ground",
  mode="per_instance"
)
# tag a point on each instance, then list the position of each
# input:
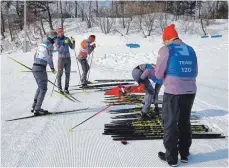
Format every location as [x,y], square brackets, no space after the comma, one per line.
[46,141]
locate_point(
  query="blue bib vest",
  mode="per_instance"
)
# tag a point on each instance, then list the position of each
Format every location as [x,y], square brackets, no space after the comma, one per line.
[60,42]
[182,61]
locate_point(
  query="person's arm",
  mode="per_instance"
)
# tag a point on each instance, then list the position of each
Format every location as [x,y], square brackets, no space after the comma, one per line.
[147,71]
[50,57]
[72,43]
[196,64]
[162,59]
[91,48]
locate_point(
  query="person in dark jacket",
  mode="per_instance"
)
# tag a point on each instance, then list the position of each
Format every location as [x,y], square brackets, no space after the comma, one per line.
[63,44]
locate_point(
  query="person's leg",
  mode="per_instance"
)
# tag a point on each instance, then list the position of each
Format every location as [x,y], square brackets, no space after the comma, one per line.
[184,124]
[60,72]
[42,79]
[34,71]
[149,90]
[84,66]
[67,73]
[155,97]
[170,115]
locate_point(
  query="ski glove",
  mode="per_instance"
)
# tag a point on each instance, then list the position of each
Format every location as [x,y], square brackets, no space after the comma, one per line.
[53,71]
[140,81]
[73,39]
[66,41]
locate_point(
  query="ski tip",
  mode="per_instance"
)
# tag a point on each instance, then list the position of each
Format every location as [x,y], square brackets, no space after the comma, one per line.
[70,130]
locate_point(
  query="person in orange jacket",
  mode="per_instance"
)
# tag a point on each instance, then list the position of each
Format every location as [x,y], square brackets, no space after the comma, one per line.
[87,46]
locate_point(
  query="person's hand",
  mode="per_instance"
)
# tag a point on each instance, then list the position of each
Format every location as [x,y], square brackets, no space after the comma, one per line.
[53,71]
[94,45]
[73,39]
[140,81]
[66,41]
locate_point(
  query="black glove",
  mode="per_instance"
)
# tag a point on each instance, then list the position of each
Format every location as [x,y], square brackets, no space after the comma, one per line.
[140,81]
[53,71]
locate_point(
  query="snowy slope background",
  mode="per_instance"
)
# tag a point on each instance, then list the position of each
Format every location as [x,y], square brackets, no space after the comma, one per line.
[46,141]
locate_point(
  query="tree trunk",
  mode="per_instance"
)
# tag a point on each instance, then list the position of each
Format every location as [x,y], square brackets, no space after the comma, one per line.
[57,8]
[202,25]
[199,9]
[76,7]
[97,8]
[116,9]
[9,25]
[42,26]
[2,23]
[61,16]
[2,26]
[19,15]
[82,14]
[65,8]
[49,17]
[123,16]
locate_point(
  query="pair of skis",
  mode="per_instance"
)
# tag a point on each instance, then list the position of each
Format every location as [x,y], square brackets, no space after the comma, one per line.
[70,97]
[49,113]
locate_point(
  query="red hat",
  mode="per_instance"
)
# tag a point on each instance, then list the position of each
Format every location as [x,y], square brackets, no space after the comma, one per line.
[60,30]
[169,32]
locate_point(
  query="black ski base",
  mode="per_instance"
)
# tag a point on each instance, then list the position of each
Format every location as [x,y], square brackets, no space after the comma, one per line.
[49,113]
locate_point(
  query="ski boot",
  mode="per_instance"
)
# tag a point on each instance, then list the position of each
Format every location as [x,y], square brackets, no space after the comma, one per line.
[84,85]
[40,112]
[144,116]
[66,91]
[33,106]
[89,82]
[61,91]
[161,155]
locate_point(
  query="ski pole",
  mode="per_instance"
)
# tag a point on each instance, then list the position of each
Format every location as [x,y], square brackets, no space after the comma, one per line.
[90,65]
[54,83]
[95,114]
[31,70]
[78,65]
[40,71]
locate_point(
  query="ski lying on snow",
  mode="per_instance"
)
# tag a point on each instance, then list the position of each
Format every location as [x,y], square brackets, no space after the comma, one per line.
[136,115]
[68,96]
[114,80]
[49,113]
[130,102]
[104,84]
[152,137]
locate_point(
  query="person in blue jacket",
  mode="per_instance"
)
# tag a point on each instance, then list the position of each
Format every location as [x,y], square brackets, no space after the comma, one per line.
[141,74]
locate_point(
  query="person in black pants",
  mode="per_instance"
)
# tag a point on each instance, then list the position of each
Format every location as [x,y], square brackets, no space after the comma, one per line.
[177,66]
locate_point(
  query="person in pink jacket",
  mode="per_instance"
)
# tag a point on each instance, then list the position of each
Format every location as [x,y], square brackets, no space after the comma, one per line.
[177,66]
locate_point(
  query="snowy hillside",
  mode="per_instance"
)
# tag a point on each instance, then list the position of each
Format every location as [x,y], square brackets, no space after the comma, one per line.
[46,141]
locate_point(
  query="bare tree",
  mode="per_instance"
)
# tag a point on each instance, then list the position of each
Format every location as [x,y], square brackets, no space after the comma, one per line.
[49,16]
[97,8]
[88,16]
[19,14]
[76,9]
[2,25]
[123,13]
[187,25]
[104,22]
[8,4]
[61,16]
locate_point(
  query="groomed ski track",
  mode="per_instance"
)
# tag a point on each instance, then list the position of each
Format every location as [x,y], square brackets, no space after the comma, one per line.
[47,142]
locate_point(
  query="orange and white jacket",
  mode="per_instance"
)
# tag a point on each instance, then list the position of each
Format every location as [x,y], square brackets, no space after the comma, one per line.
[86,49]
